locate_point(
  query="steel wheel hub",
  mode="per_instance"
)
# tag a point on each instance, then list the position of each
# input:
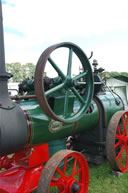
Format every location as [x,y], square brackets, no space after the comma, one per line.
[124,140]
[68,185]
[75,187]
[69,82]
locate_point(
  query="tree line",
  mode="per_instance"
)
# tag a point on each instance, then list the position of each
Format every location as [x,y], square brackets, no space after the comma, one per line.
[113,73]
[20,71]
[23,71]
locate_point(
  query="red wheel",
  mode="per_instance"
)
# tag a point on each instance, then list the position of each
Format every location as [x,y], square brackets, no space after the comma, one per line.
[117,141]
[65,172]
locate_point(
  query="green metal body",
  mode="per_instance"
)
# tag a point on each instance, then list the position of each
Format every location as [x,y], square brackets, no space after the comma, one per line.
[44,129]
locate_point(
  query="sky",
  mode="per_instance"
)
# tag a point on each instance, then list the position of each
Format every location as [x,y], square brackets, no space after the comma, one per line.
[101,26]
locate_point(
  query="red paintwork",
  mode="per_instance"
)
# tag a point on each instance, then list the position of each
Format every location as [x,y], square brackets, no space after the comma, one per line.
[29,125]
[121,142]
[64,182]
[25,172]
[5,162]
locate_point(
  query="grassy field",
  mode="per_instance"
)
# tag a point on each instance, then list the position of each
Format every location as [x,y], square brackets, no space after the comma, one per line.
[102,180]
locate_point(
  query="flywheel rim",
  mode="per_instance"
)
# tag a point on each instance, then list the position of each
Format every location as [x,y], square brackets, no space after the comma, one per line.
[117,141]
[67,82]
[64,183]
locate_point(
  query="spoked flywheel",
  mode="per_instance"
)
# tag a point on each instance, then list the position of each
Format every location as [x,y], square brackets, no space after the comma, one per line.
[117,141]
[65,59]
[65,172]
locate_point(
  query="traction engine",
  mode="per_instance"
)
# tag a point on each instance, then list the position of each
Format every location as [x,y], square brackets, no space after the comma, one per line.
[76,108]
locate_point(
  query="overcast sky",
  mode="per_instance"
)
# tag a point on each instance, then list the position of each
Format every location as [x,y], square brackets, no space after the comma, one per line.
[101,26]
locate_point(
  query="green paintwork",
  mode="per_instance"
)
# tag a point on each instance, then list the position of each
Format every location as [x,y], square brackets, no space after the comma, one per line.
[41,123]
[29,87]
[110,105]
[68,81]
[54,146]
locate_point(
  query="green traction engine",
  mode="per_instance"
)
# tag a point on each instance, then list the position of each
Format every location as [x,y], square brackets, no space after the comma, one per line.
[50,115]
[60,116]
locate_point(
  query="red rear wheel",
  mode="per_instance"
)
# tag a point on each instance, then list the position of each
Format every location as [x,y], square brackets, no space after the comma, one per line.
[66,172]
[117,141]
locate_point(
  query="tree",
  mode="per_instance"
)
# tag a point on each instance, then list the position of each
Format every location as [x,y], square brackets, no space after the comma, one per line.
[16,70]
[124,73]
[28,70]
[112,74]
[20,72]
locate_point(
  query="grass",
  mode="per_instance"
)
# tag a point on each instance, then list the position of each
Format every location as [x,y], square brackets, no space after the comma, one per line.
[101,180]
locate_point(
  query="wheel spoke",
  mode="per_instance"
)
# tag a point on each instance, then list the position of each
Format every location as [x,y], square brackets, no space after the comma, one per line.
[65,166]
[117,136]
[117,144]
[60,172]
[74,167]
[80,75]
[54,182]
[78,95]
[118,129]
[79,170]
[125,130]
[66,102]
[55,89]
[120,153]
[56,68]
[69,63]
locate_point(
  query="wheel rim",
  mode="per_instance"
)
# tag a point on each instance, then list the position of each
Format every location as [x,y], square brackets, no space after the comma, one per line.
[67,83]
[117,141]
[57,177]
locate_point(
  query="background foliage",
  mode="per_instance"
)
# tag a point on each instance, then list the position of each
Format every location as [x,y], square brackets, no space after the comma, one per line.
[23,71]
[20,71]
[113,73]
